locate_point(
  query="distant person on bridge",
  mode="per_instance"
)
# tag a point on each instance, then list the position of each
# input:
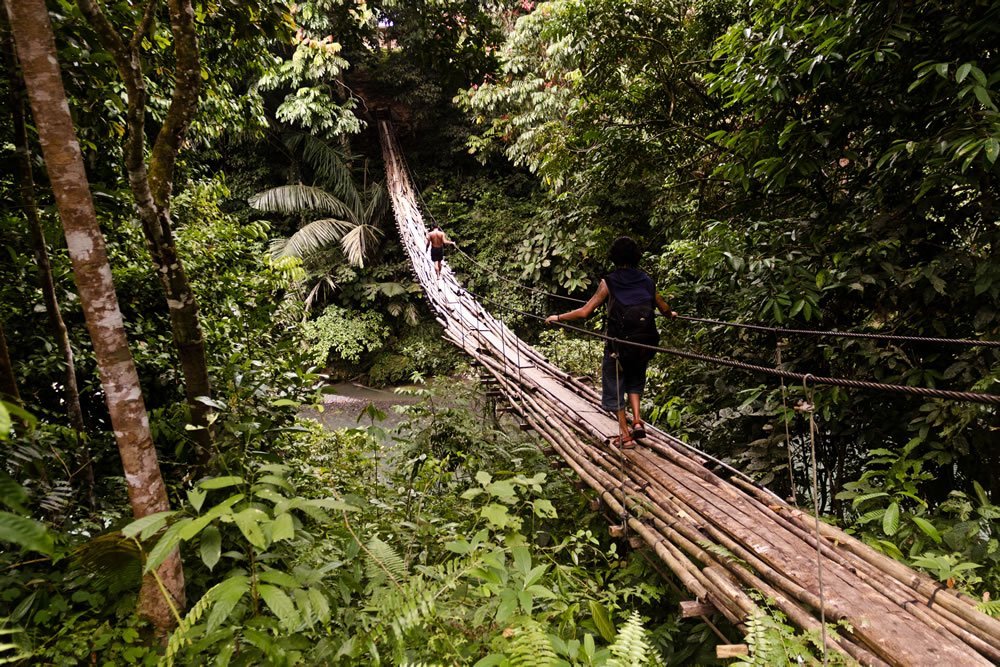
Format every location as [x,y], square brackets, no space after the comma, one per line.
[631,298]
[436,241]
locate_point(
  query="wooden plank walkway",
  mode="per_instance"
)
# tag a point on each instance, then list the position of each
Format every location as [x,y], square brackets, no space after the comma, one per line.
[722,538]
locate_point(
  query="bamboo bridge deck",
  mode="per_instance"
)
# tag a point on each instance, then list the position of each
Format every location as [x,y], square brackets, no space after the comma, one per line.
[722,538]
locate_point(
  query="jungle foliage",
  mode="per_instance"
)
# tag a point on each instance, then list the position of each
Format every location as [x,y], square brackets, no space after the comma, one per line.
[820,164]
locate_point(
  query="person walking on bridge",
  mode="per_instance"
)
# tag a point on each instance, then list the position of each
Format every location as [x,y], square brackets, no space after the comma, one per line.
[436,241]
[631,297]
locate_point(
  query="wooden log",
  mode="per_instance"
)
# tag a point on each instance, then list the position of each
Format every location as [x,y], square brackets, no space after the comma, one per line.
[693,608]
[727,651]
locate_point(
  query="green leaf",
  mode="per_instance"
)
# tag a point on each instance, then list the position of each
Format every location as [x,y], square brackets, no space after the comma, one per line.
[279,578]
[275,480]
[962,72]
[12,494]
[282,528]
[992,149]
[983,96]
[211,546]
[221,482]
[280,605]
[980,493]
[165,545]
[544,508]
[602,620]
[496,514]
[197,498]
[927,528]
[211,515]
[226,595]
[147,525]
[25,532]
[890,520]
[249,524]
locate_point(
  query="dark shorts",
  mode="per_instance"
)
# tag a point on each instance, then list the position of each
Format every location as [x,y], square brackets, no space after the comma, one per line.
[618,380]
[437,254]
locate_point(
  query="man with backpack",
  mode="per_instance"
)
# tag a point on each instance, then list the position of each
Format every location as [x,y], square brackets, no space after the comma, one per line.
[631,298]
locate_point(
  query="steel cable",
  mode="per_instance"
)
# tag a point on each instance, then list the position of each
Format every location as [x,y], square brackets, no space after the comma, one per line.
[926,392]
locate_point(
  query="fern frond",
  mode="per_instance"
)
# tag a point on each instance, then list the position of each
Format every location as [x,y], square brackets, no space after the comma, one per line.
[531,647]
[179,637]
[414,606]
[381,561]
[631,649]
[989,607]
[111,558]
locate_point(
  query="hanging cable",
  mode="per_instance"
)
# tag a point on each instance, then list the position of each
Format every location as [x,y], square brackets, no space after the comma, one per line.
[784,418]
[926,392]
[810,408]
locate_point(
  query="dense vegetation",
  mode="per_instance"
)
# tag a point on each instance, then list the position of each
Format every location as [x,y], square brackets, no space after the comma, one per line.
[828,165]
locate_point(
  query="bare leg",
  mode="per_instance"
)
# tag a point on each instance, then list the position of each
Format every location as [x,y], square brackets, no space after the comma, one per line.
[633,400]
[623,426]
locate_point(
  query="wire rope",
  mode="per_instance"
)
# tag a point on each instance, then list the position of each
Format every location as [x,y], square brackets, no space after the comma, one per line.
[926,392]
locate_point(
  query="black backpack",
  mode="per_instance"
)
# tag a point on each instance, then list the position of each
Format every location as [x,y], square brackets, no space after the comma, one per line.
[632,324]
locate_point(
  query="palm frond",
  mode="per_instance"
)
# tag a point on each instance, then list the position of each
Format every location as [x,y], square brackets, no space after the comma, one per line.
[328,166]
[378,204]
[312,237]
[300,198]
[359,243]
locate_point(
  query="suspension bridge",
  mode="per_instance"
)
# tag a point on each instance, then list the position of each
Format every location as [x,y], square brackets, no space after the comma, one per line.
[734,545]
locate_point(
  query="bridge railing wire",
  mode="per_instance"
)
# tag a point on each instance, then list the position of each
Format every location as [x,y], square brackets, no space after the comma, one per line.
[780,331]
[804,378]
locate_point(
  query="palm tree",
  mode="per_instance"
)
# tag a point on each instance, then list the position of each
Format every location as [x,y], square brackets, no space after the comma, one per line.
[351,218]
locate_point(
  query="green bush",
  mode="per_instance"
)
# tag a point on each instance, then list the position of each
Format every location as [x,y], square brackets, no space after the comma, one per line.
[346,333]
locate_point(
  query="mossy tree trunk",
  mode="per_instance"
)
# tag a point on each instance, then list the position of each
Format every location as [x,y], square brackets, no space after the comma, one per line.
[147,492]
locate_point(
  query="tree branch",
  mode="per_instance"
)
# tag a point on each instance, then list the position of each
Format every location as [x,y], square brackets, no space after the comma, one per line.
[148,14]
[183,104]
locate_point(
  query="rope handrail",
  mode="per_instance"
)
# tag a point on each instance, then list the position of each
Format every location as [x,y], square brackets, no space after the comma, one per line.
[781,331]
[970,342]
[805,378]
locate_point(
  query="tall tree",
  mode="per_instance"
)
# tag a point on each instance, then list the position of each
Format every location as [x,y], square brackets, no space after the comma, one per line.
[147,493]
[8,383]
[26,190]
[152,182]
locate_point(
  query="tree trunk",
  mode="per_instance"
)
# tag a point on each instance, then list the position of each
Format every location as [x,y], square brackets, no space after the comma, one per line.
[152,185]
[8,383]
[92,273]
[26,186]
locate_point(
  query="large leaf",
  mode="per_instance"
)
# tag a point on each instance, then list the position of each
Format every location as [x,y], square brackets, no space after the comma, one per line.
[602,620]
[311,238]
[890,520]
[359,243]
[226,595]
[300,198]
[211,546]
[249,524]
[328,166]
[280,605]
[165,546]
[148,524]
[25,532]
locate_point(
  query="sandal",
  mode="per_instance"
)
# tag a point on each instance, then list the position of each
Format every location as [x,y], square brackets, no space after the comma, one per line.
[639,431]
[619,441]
